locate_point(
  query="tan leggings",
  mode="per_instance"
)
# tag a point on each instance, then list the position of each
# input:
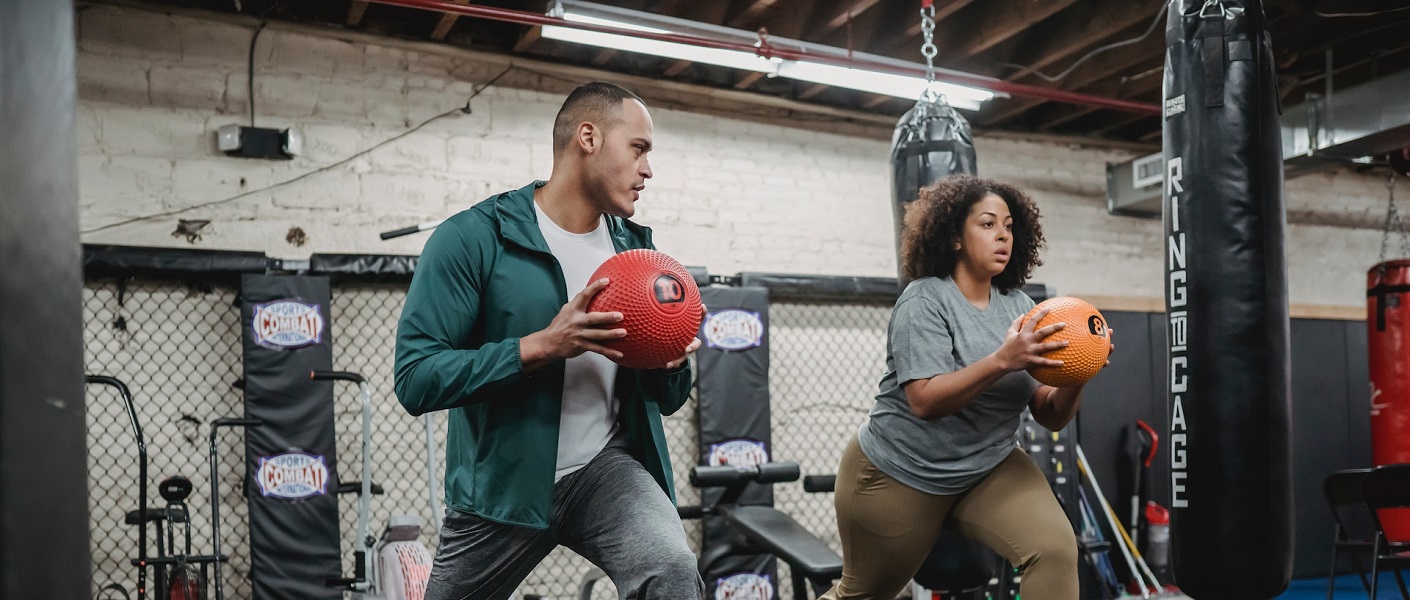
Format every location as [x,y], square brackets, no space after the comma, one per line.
[888,528]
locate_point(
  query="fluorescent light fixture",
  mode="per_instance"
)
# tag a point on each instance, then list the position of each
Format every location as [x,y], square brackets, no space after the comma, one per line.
[901,86]
[710,56]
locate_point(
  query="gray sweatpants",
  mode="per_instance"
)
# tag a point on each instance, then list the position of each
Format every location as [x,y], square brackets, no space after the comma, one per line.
[611,512]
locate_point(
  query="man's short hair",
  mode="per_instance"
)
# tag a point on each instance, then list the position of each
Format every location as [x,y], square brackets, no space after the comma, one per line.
[597,102]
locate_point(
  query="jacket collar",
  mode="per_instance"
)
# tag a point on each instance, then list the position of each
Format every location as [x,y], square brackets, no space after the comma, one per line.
[518,222]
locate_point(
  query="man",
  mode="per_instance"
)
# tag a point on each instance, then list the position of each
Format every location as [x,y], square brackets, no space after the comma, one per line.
[550,443]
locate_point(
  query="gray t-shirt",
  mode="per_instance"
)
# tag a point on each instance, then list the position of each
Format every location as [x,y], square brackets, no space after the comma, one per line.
[935,330]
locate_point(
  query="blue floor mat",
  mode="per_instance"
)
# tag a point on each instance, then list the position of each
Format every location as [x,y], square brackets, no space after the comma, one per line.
[1348,587]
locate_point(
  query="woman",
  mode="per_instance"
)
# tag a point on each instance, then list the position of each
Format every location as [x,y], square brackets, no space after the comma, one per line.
[940,443]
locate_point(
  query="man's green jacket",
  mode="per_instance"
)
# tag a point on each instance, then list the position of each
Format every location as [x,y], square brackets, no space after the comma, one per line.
[485,279]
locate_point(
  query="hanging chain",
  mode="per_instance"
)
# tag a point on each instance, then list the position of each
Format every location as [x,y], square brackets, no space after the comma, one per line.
[1393,223]
[928,49]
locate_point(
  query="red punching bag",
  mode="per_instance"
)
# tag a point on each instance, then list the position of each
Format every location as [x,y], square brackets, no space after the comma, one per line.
[1388,341]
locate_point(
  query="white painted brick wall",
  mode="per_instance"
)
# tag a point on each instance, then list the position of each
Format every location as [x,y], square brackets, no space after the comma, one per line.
[729,194]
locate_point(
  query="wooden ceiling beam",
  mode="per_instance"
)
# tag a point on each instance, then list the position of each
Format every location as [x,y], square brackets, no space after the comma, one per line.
[750,16]
[863,31]
[855,8]
[877,100]
[355,12]
[603,56]
[1087,27]
[961,39]
[857,32]
[794,25]
[1118,123]
[701,12]
[1056,115]
[529,38]
[1104,67]
[910,38]
[812,90]
[677,68]
[748,80]
[447,21]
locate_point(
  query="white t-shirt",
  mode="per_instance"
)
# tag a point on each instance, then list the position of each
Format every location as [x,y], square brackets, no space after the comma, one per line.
[589,416]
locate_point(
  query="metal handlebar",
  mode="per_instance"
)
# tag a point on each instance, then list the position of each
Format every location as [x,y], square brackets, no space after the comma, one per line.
[336,375]
[727,475]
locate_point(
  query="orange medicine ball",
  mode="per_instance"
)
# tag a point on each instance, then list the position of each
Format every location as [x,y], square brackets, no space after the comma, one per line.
[1089,341]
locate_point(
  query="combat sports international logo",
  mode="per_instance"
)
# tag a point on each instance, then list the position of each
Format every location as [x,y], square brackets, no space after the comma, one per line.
[292,475]
[733,329]
[744,586]
[738,453]
[287,324]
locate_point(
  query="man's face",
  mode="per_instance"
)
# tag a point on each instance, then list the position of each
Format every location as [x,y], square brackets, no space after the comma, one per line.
[618,171]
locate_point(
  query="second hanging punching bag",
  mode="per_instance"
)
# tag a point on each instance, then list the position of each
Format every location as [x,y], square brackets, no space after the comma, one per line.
[931,142]
[1388,344]
[1226,305]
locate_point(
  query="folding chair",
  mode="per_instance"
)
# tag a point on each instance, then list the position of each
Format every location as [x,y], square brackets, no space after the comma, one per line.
[1354,531]
[1385,487]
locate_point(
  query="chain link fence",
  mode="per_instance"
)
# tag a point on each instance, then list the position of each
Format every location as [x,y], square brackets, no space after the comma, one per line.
[177,345]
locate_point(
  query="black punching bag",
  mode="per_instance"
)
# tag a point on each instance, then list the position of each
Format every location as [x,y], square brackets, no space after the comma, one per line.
[931,142]
[1226,305]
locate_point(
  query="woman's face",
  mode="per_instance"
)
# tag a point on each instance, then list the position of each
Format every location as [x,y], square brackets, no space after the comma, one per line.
[986,243]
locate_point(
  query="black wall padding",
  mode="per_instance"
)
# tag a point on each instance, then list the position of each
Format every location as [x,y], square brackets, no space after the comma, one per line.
[732,387]
[44,516]
[824,287]
[291,459]
[119,261]
[364,267]
[104,260]
[1227,305]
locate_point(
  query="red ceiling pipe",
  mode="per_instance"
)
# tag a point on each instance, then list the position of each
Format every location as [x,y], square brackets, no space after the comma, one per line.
[945,75]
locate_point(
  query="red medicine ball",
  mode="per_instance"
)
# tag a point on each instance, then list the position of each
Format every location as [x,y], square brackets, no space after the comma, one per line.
[659,302]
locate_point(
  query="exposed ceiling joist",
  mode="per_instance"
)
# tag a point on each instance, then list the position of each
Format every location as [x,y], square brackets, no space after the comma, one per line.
[1076,30]
[1015,41]
[604,56]
[447,21]
[905,39]
[703,12]
[877,100]
[355,12]
[1145,86]
[676,68]
[1118,124]
[751,14]
[947,9]
[748,80]
[1103,67]
[959,40]
[795,24]
[812,90]
[856,8]
[529,38]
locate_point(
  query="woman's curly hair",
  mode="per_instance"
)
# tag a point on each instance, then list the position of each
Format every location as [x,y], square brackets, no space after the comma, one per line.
[934,225]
